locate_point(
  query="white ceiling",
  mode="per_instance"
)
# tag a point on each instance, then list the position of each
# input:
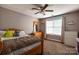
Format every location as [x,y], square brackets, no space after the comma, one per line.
[26,9]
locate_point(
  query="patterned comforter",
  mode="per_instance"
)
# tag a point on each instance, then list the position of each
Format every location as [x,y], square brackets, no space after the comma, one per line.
[18,43]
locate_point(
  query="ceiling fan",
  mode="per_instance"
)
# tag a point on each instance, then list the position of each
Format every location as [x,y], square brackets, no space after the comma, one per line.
[42,9]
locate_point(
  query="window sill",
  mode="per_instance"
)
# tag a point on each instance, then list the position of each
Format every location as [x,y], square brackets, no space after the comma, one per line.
[53,34]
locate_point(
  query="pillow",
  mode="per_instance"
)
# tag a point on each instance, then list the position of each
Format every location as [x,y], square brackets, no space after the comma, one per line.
[8,33]
[2,33]
[16,33]
[22,33]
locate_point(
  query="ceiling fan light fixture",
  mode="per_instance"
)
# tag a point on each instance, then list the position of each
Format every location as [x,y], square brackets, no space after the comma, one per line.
[42,10]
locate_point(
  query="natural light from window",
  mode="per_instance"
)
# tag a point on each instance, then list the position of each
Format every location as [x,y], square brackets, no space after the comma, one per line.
[54,27]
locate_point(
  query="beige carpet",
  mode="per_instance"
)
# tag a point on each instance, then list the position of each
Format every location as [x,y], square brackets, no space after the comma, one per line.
[55,48]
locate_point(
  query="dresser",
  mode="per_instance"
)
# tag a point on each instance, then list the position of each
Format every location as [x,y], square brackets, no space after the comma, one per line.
[70,38]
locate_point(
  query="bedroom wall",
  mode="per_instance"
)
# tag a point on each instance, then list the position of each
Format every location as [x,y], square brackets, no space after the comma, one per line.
[42,28]
[71,21]
[78,22]
[67,18]
[11,19]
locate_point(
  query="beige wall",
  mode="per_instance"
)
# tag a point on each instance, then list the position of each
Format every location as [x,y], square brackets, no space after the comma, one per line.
[71,18]
[42,27]
[11,19]
[67,18]
[78,22]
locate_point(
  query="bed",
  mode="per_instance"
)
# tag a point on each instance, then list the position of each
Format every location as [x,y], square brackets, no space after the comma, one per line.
[26,45]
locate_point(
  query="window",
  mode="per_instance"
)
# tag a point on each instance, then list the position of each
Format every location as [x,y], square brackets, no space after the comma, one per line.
[54,26]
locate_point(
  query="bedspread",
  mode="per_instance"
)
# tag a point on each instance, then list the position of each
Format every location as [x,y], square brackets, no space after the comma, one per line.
[18,43]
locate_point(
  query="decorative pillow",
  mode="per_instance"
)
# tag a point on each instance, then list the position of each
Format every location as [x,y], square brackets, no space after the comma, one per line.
[22,33]
[2,33]
[8,33]
[16,33]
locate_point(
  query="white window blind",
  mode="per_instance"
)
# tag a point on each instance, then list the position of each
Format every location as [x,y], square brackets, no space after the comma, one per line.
[54,27]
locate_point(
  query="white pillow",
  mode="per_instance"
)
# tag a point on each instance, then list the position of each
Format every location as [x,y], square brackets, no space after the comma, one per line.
[2,33]
[22,33]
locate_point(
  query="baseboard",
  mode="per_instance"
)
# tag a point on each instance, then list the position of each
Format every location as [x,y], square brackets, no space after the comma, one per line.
[53,40]
[69,46]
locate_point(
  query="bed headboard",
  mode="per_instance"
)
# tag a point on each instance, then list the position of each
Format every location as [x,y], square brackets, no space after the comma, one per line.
[12,29]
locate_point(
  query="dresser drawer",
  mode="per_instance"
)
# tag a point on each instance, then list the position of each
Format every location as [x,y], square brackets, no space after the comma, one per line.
[70,38]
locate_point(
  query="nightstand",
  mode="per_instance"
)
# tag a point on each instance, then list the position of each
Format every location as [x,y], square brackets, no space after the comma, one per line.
[38,34]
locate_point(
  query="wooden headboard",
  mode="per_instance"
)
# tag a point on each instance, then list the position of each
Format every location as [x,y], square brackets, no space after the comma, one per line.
[12,29]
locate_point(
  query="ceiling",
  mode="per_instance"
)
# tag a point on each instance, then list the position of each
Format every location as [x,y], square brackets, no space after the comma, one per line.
[27,9]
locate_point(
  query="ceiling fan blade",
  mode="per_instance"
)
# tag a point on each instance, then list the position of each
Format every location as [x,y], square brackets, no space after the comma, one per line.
[38,5]
[49,10]
[43,13]
[37,12]
[35,9]
[45,6]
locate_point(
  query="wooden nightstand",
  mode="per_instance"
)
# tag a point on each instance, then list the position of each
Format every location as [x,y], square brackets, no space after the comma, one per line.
[38,34]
